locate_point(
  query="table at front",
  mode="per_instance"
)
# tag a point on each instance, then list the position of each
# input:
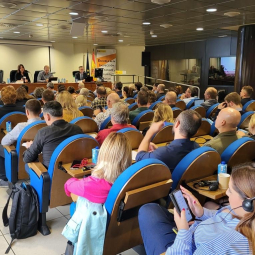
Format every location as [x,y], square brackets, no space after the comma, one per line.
[219,193]
[32,86]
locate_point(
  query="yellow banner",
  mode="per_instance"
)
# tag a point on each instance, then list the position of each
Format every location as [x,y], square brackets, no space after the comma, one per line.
[120,72]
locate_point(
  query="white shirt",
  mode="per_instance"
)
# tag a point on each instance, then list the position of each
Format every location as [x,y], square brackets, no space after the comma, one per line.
[102,116]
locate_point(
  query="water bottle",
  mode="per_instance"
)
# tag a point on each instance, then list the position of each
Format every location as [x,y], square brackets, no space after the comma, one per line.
[64,80]
[8,80]
[222,168]
[95,152]
[58,80]
[8,126]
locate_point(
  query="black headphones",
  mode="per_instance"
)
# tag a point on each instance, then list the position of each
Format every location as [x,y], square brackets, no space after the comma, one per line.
[212,185]
[248,204]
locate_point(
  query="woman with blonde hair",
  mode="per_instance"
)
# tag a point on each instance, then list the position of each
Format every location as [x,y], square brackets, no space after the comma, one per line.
[113,158]
[230,230]
[81,101]
[70,109]
[84,92]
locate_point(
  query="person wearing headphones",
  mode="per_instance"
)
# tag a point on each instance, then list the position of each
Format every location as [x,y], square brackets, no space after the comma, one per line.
[229,230]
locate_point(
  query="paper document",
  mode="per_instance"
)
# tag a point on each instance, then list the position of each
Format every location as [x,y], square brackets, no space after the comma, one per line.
[24,144]
[134,153]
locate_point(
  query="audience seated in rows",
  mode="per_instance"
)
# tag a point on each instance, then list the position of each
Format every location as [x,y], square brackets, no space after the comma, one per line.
[48,138]
[210,98]
[226,123]
[160,91]
[38,92]
[246,94]
[47,96]
[22,96]
[162,113]
[142,101]
[100,100]
[170,99]
[70,109]
[104,114]
[151,98]
[138,86]
[190,93]
[33,110]
[118,88]
[229,230]
[113,158]
[9,96]
[185,126]
[119,119]
[127,92]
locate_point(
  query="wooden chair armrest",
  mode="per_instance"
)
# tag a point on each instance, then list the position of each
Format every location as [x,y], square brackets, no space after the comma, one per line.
[37,167]
[74,197]
[9,148]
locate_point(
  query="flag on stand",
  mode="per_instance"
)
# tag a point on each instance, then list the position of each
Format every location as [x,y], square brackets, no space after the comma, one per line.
[93,65]
[87,65]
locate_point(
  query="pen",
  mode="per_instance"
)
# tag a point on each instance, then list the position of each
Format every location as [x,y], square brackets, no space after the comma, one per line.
[175,230]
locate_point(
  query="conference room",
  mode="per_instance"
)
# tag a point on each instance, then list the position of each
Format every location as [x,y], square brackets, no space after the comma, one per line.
[127,127]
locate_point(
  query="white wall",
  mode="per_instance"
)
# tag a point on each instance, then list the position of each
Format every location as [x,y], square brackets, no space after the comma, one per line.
[32,57]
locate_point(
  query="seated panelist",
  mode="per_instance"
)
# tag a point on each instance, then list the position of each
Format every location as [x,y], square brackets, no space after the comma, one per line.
[22,74]
[81,75]
[44,75]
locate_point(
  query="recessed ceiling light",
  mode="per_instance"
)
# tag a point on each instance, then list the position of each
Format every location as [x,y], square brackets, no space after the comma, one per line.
[166,25]
[95,44]
[104,31]
[146,23]
[199,29]
[52,41]
[74,37]
[39,25]
[154,36]
[120,40]
[231,14]
[222,36]
[74,13]
[211,10]
[16,32]
[126,36]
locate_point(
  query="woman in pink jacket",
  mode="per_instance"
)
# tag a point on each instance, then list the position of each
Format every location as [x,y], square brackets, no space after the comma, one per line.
[114,157]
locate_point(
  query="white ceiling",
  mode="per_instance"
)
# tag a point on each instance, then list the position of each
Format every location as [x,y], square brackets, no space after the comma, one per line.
[122,19]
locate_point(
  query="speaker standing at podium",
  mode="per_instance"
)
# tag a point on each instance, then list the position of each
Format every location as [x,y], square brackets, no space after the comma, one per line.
[81,75]
[21,74]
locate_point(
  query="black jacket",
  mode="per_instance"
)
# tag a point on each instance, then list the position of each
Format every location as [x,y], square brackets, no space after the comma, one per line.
[77,76]
[48,138]
[10,108]
[18,76]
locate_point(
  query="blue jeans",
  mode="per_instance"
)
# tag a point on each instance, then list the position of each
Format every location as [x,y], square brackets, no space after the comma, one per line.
[156,225]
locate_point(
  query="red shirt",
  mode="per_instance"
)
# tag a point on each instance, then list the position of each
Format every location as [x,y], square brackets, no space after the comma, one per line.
[105,132]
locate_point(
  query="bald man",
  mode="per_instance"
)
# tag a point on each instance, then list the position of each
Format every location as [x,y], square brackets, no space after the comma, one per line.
[210,98]
[226,123]
[101,116]
[160,90]
[44,75]
[170,99]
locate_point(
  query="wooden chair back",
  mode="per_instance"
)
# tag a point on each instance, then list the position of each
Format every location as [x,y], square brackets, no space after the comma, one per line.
[90,98]
[87,125]
[204,129]
[181,104]
[130,100]
[145,120]
[133,107]
[28,136]
[14,119]
[78,149]
[134,137]
[87,111]
[212,112]
[176,112]
[164,135]
[250,107]
[201,110]
[245,120]
[148,184]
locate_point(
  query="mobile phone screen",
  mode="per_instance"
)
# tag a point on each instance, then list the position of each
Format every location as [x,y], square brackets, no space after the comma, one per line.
[75,164]
[180,200]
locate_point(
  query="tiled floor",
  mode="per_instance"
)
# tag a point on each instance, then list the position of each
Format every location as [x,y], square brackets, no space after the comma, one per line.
[53,244]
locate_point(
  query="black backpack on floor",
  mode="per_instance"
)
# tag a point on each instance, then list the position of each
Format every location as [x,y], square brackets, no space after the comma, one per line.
[24,215]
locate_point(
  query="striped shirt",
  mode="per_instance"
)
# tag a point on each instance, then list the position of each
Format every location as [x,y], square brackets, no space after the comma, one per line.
[215,235]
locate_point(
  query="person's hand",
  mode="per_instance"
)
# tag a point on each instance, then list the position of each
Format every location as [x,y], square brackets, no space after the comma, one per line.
[222,106]
[193,202]
[97,111]
[104,110]
[240,133]
[182,96]
[28,144]
[152,147]
[156,127]
[26,80]
[180,220]
[47,80]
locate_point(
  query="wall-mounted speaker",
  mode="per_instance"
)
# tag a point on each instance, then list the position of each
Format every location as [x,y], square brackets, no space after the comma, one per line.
[146,58]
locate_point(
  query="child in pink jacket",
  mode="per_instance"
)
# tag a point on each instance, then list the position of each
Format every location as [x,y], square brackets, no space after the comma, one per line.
[114,157]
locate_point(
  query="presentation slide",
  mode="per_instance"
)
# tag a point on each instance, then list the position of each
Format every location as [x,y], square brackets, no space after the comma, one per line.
[229,64]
